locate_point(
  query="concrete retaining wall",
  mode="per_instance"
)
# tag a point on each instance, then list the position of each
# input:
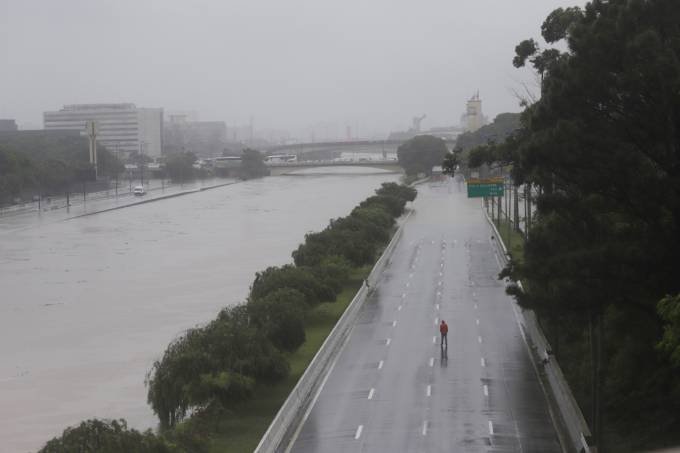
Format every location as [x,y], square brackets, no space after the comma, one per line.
[573,423]
[291,413]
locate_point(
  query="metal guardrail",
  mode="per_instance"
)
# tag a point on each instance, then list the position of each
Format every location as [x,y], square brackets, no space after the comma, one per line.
[290,415]
[578,432]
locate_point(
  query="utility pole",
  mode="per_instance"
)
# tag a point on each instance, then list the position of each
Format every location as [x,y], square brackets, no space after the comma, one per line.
[91,129]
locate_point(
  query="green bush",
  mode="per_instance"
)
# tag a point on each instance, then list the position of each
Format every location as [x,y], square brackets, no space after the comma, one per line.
[107,436]
[280,317]
[218,363]
[289,276]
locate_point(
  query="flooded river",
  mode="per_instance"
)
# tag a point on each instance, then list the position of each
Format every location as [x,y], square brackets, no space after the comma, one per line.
[87,304]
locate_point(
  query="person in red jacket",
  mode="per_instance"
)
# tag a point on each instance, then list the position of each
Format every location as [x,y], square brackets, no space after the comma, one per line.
[444,330]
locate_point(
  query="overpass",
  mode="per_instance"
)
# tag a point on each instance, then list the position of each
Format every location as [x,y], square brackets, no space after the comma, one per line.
[357,146]
[284,168]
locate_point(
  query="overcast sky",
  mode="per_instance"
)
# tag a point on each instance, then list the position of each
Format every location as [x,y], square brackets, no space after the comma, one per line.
[288,64]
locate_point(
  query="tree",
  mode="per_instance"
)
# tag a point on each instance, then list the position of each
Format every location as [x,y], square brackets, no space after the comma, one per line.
[280,317]
[602,145]
[180,166]
[421,153]
[291,277]
[107,436]
[252,164]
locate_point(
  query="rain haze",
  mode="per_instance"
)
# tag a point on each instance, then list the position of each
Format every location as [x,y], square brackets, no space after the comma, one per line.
[306,67]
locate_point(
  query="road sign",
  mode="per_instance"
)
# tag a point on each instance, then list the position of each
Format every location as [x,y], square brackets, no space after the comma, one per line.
[485,187]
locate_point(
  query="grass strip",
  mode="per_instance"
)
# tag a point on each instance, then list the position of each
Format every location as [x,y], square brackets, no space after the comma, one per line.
[512,239]
[241,428]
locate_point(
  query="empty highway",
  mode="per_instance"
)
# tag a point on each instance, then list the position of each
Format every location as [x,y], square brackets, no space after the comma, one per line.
[393,388]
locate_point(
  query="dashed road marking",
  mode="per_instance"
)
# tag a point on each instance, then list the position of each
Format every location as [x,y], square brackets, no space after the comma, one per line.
[476,307]
[389,340]
[424,431]
[432,361]
[434,340]
[399,308]
[429,391]
[483,362]
[380,364]
[436,321]
[437,306]
[394,323]
[360,428]
[486,390]
[410,275]
[408,284]
[477,321]
[491,428]
[370,394]
[479,339]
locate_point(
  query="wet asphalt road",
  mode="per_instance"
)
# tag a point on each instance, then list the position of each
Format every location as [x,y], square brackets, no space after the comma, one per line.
[393,389]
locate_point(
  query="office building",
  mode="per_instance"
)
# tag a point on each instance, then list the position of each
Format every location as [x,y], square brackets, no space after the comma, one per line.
[8,125]
[121,128]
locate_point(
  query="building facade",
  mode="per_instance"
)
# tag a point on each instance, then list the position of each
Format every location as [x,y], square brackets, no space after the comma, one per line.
[121,128]
[8,125]
[473,118]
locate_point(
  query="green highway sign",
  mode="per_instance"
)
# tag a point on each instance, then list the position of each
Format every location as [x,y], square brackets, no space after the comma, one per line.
[489,187]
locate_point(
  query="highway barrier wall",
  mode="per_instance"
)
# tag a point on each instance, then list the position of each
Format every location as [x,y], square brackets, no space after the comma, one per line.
[572,422]
[292,412]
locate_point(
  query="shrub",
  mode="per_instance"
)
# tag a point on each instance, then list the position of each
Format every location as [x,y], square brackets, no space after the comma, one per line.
[280,317]
[289,276]
[107,436]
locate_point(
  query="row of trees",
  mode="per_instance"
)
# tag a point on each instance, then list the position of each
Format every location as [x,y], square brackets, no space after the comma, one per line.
[211,368]
[601,149]
[30,166]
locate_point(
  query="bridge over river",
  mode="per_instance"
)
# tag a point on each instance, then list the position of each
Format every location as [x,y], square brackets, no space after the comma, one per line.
[283,168]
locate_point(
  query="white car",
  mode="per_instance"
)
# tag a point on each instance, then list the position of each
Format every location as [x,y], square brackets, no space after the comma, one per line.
[139,191]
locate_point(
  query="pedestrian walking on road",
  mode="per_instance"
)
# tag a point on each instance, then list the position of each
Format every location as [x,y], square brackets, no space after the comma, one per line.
[444,330]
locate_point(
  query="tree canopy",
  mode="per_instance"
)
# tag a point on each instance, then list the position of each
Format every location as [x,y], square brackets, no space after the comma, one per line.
[421,153]
[602,146]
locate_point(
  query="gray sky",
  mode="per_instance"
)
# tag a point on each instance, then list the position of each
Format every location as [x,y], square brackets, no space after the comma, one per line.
[290,64]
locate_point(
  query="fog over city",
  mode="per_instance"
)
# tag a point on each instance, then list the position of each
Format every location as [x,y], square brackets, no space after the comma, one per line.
[301,66]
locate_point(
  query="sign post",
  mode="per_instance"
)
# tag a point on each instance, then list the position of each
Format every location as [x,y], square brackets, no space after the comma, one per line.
[485,187]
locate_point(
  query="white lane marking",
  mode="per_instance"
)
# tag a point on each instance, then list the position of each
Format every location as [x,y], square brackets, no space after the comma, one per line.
[429,390]
[439,293]
[380,364]
[437,306]
[408,284]
[394,323]
[498,261]
[436,321]
[410,275]
[477,321]
[483,362]
[479,339]
[370,394]
[389,340]
[474,294]
[441,274]
[441,265]
[424,428]
[486,390]
[490,427]
[434,339]
[432,359]
[399,308]
[403,295]
[475,306]
[359,430]
[439,283]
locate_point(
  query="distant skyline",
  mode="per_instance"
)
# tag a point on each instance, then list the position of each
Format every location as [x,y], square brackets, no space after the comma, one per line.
[310,67]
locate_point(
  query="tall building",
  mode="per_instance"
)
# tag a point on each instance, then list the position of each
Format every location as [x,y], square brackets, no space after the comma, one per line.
[8,125]
[473,118]
[120,127]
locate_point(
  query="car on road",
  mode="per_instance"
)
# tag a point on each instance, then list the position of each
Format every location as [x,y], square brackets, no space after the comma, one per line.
[139,191]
